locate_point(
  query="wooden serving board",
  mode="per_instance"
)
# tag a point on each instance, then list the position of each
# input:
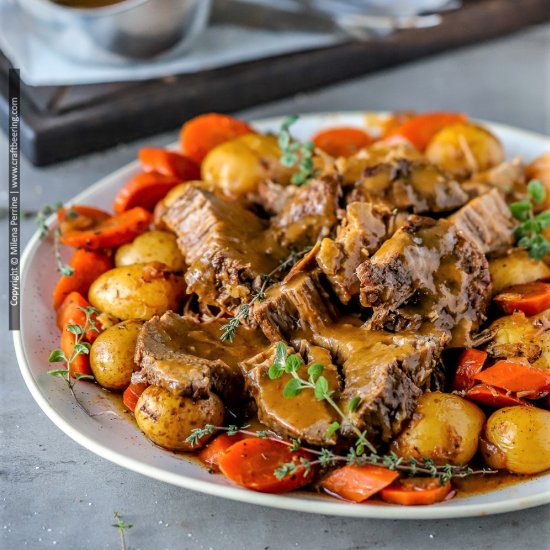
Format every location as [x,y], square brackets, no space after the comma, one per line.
[63,122]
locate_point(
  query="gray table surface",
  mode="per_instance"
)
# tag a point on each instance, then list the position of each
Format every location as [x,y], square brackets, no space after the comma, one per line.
[55,493]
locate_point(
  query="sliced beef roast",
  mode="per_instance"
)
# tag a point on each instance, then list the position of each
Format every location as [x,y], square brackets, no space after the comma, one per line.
[487,221]
[309,213]
[187,358]
[225,246]
[361,232]
[299,304]
[303,416]
[388,372]
[413,185]
[428,272]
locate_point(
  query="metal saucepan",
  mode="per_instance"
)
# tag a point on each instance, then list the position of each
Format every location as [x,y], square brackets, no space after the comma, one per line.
[127,29]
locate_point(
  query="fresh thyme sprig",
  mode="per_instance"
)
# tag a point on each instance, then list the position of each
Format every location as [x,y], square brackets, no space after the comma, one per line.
[122,526]
[316,382]
[529,231]
[41,218]
[294,153]
[326,458]
[81,347]
[44,213]
[229,329]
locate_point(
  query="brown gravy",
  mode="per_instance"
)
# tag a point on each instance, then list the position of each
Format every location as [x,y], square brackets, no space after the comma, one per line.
[467,487]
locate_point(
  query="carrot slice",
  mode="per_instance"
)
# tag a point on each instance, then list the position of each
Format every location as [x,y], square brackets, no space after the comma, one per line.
[201,134]
[211,453]
[168,163]
[80,217]
[358,483]
[415,491]
[470,363]
[493,397]
[71,312]
[342,142]
[112,232]
[144,190]
[87,267]
[131,395]
[515,377]
[252,464]
[531,298]
[420,129]
[81,363]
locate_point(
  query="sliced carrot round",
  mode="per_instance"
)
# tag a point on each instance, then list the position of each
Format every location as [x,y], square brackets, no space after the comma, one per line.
[112,232]
[420,129]
[81,363]
[358,483]
[415,491]
[531,298]
[144,190]
[201,134]
[252,463]
[342,142]
[168,163]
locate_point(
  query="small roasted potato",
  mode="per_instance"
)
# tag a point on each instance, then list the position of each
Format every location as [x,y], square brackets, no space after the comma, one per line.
[464,149]
[516,268]
[539,169]
[137,291]
[521,338]
[152,246]
[444,427]
[517,439]
[112,355]
[168,419]
[237,167]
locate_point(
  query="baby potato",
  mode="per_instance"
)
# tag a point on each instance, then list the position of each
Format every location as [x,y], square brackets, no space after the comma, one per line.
[137,291]
[516,268]
[464,149]
[236,167]
[153,246]
[518,439]
[168,419]
[444,427]
[112,355]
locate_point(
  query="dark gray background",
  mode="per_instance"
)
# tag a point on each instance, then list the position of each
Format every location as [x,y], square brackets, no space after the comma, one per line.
[54,493]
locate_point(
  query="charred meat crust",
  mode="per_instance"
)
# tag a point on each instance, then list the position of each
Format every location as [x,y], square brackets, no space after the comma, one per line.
[226,247]
[427,273]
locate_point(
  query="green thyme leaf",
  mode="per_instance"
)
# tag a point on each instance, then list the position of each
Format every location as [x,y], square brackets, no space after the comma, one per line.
[292,388]
[57,356]
[521,210]
[292,364]
[315,371]
[75,329]
[332,429]
[536,190]
[353,404]
[275,371]
[321,388]
[281,353]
